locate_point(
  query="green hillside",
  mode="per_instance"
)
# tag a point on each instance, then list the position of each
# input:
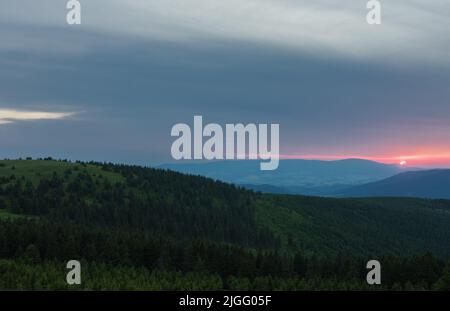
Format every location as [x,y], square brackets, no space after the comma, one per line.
[35,170]
[372,226]
[166,222]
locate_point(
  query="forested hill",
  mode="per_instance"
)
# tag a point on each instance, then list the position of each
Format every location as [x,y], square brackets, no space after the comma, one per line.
[132,198]
[168,204]
[143,228]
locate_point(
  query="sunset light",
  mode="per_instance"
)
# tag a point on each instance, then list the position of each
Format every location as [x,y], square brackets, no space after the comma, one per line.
[426,159]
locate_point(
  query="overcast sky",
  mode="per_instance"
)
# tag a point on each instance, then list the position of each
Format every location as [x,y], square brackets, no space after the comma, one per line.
[111,88]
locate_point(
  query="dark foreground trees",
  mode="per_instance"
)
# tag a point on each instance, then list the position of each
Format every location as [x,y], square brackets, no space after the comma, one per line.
[34,254]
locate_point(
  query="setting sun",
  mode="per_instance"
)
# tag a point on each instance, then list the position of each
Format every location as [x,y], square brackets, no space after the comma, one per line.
[402,163]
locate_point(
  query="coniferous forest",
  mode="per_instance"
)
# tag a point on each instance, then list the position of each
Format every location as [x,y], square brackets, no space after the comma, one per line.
[136,228]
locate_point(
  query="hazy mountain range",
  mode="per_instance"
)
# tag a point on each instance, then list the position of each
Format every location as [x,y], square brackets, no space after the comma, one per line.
[312,177]
[343,178]
[309,173]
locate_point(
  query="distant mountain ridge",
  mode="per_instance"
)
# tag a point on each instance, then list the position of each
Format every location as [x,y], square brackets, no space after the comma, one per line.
[434,184]
[294,176]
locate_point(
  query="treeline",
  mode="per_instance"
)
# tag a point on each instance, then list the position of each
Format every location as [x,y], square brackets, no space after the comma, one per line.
[132,260]
[17,275]
[35,241]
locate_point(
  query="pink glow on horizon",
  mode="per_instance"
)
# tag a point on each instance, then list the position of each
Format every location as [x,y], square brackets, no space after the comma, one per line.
[424,160]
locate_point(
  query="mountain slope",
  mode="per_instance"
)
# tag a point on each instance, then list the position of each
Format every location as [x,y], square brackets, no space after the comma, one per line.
[370,226]
[131,198]
[425,184]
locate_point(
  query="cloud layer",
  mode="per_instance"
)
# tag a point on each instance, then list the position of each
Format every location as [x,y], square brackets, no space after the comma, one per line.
[11,115]
[411,30]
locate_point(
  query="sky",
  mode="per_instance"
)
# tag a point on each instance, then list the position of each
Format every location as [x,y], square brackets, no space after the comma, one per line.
[111,88]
